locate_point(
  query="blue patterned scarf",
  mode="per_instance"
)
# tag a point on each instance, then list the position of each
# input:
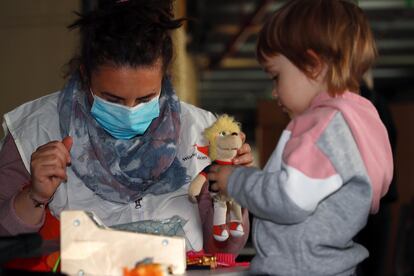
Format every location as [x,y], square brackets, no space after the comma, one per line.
[123,171]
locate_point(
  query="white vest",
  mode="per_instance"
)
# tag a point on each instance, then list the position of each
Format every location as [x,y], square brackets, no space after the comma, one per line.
[37,122]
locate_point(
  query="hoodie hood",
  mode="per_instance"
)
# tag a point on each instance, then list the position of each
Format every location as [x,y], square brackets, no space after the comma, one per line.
[370,136]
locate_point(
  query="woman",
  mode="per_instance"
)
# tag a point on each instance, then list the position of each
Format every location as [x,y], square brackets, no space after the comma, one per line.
[116,140]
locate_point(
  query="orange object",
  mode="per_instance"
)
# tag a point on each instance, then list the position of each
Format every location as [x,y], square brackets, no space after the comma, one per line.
[52,259]
[147,270]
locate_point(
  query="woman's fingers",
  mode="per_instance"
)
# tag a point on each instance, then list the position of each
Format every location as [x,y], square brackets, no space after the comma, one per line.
[243,137]
[49,158]
[56,148]
[68,142]
[244,156]
[49,171]
[46,180]
[48,166]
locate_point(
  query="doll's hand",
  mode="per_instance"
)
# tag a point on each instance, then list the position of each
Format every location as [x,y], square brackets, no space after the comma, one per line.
[220,174]
[244,154]
[193,199]
[195,187]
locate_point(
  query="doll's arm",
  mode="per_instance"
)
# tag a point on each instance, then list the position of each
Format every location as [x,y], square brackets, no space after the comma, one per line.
[195,187]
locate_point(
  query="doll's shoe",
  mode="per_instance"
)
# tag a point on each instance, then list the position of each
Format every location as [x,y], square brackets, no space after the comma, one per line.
[236,229]
[220,232]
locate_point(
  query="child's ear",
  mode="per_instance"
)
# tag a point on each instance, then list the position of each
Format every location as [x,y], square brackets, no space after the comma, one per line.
[318,65]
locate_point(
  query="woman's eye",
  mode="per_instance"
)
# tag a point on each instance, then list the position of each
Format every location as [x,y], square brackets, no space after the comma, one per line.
[223,133]
[145,100]
[275,78]
[111,100]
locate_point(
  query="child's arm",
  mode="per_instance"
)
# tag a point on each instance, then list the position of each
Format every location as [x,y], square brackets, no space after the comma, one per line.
[289,194]
[264,195]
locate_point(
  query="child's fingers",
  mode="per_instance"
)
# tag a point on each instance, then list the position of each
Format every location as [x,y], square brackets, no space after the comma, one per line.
[212,176]
[214,187]
[213,169]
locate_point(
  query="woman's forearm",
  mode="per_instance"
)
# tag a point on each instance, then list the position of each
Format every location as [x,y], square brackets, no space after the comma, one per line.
[26,208]
[14,201]
[12,223]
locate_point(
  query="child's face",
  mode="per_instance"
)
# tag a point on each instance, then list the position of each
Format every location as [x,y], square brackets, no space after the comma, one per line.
[292,88]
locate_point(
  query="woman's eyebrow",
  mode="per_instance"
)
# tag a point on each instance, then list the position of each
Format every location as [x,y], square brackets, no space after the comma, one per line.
[109,94]
[112,95]
[147,96]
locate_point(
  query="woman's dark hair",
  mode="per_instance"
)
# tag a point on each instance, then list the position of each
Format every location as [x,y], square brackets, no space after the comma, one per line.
[125,33]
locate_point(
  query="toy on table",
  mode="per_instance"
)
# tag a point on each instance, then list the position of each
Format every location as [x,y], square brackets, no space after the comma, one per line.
[224,141]
[147,267]
[88,247]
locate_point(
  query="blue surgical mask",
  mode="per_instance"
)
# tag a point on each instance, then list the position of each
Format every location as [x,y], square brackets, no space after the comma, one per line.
[124,122]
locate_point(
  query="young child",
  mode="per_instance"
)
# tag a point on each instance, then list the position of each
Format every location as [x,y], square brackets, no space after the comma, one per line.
[333,162]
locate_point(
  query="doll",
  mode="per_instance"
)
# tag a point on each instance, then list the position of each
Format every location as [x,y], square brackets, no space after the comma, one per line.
[224,141]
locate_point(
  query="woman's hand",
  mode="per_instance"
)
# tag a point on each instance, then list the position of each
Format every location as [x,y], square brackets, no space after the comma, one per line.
[48,168]
[244,154]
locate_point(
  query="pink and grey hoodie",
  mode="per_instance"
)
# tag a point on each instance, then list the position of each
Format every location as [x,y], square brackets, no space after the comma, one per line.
[329,170]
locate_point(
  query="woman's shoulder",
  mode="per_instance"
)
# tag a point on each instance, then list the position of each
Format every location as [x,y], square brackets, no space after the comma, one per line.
[39,113]
[193,114]
[33,124]
[36,106]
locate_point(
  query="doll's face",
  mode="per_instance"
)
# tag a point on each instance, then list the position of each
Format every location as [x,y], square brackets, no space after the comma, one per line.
[227,144]
[224,137]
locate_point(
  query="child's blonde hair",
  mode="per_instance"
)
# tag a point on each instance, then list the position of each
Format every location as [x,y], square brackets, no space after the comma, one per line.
[337,31]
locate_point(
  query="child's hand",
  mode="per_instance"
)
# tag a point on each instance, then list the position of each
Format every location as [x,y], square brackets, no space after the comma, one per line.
[220,174]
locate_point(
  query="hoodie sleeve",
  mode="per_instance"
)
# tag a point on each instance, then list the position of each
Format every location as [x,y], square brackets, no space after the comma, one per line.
[288,190]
